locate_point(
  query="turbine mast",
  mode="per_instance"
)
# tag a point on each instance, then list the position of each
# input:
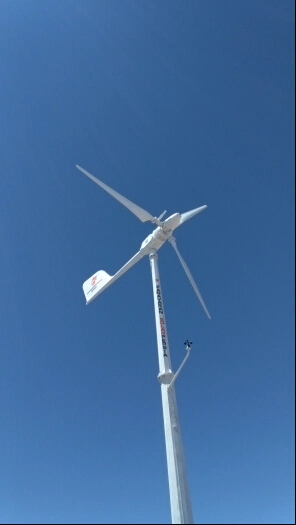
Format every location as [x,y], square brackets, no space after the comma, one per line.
[178,484]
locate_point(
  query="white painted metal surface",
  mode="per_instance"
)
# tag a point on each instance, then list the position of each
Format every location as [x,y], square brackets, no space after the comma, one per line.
[178,484]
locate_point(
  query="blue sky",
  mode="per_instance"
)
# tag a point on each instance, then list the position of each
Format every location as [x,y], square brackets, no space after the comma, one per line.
[175,105]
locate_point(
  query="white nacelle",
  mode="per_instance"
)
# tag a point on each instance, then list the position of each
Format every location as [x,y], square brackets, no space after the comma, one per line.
[154,241]
[146,241]
[158,237]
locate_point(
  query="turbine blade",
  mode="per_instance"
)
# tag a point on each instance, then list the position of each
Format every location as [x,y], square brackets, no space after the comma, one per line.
[161,216]
[143,215]
[189,214]
[98,282]
[188,273]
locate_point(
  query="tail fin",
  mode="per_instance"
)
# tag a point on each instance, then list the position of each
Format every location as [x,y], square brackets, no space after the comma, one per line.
[101,280]
[96,284]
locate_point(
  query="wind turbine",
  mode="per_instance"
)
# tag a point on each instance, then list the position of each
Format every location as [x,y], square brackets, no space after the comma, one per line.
[97,283]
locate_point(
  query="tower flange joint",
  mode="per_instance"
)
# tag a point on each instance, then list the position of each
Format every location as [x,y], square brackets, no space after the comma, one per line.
[165,378]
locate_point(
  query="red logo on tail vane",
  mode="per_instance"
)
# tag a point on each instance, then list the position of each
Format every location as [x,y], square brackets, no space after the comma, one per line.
[93,281]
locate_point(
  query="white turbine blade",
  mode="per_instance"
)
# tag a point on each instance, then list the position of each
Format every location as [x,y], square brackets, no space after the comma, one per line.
[161,216]
[143,215]
[98,282]
[188,273]
[189,214]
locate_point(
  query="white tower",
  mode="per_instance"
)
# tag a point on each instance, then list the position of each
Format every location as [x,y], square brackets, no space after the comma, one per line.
[178,484]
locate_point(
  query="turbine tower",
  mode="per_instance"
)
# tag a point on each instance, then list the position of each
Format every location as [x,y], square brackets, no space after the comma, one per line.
[178,485]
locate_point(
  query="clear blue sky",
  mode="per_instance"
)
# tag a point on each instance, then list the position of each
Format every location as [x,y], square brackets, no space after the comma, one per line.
[175,105]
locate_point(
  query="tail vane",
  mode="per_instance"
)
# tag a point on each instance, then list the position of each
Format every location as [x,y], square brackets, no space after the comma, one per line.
[96,284]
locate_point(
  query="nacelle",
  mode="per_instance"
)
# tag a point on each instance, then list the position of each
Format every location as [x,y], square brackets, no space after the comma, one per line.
[155,240]
[146,241]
